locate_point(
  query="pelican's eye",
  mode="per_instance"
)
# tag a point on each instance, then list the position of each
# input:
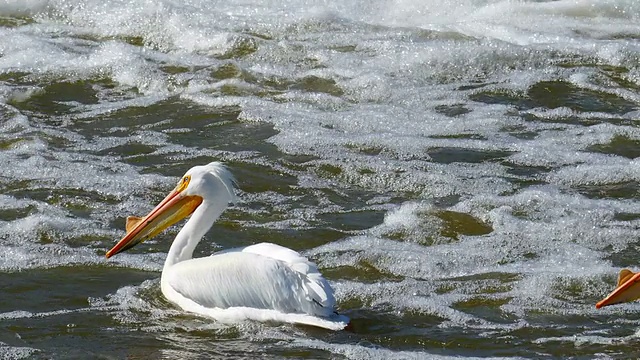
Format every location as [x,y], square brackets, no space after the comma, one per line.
[182,184]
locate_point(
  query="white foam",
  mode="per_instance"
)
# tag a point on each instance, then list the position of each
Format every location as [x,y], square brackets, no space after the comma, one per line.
[26,257]
[614,172]
[19,314]
[356,351]
[585,340]
[16,352]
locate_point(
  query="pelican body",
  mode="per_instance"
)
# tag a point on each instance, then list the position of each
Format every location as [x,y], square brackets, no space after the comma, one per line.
[263,282]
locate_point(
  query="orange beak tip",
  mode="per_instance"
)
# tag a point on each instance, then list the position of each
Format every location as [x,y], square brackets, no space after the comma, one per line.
[599,305]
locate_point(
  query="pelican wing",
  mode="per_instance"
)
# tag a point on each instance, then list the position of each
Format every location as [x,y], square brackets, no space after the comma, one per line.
[263,276]
[314,283]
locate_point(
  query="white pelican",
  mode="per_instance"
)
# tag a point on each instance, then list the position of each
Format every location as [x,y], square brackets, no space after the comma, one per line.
[263,282]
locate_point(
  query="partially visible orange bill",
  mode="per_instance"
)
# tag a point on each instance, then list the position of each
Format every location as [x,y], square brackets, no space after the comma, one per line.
[628,289]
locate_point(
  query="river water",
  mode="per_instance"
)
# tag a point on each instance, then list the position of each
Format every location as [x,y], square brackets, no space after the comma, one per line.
[465,173]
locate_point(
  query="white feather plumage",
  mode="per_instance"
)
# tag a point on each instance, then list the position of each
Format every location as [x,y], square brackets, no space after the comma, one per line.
[264,282]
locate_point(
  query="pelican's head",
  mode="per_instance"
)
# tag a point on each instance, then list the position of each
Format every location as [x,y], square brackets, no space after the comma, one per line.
[207,183]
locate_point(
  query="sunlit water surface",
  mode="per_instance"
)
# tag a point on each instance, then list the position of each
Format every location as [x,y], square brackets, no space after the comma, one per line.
[465,173]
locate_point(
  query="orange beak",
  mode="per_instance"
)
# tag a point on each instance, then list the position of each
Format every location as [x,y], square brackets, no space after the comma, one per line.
[628,289]
[175,207]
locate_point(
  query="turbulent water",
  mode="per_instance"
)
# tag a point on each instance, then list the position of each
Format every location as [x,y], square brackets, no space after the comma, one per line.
[465,173]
